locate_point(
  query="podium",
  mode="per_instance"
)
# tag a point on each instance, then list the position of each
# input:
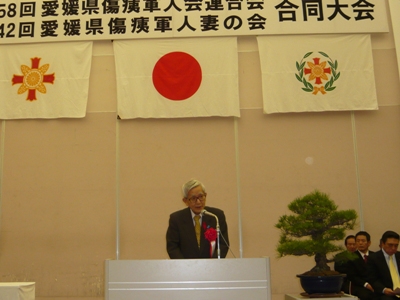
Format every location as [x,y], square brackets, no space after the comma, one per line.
[238,278]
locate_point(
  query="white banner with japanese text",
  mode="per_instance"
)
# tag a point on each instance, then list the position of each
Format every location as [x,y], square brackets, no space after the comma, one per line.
[27,21]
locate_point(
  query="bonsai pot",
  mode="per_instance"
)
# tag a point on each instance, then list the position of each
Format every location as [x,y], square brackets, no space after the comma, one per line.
[324,284]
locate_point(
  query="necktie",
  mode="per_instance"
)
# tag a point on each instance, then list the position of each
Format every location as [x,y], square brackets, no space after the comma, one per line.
[365,258]
[393,273]
[197,228]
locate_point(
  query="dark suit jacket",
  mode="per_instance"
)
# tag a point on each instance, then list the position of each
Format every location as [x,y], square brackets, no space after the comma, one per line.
[342,268]
[181,236]
[357,270]
[378,271]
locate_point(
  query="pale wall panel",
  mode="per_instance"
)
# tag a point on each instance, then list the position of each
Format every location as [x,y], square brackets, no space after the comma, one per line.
[283,157]
[247,44]
[384,40]
[250,89]
[378,135]
[2,124]
[156,158]
[386,77]
[58,208]
[102,85]
[103,48]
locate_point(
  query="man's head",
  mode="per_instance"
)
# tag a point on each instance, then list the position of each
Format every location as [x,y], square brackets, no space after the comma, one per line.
[194,195]
[350,243]
[363,241]
[390,242]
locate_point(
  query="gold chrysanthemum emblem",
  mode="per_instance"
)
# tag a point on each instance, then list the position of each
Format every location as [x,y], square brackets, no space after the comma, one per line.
[33,79]
[317,71]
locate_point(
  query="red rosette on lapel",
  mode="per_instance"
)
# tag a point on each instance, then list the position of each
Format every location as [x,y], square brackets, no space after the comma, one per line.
[211,235]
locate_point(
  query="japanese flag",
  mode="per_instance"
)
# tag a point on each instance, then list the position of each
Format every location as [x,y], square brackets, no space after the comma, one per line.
[49,80]
[317,73]
[177,78]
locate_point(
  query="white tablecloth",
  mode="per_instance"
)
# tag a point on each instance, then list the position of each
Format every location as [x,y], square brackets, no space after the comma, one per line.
[17,290]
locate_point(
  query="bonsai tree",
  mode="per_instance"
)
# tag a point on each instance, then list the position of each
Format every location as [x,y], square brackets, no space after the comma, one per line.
[314,228]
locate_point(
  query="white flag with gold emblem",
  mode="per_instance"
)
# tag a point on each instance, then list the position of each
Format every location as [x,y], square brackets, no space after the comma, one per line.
[49,80]
[317,73]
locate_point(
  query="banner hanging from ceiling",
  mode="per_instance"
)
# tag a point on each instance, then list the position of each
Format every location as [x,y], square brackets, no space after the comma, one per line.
[27,21]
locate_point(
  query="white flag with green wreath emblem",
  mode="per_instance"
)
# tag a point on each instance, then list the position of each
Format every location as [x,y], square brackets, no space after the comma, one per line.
[317,73]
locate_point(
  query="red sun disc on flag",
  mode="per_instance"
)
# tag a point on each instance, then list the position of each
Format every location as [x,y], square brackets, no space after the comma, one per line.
[177,76]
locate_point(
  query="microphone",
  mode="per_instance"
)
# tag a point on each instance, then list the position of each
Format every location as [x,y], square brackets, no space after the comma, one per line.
[204,212]
[218,230]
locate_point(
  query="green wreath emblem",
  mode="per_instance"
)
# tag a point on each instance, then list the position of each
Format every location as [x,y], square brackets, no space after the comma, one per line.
[308,87]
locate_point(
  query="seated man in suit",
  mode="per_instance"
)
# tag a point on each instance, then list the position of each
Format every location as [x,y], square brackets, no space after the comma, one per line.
[357,268]
[383,267]
[350,243]
[341,266]
[192,232]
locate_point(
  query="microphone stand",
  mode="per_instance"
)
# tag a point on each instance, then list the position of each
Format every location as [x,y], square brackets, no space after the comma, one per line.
[218,233]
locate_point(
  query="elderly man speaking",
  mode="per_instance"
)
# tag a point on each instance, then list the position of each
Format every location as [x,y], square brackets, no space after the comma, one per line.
[192,231]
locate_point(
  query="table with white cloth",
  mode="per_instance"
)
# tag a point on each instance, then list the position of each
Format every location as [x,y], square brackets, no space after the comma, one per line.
[323,297]
[17,290]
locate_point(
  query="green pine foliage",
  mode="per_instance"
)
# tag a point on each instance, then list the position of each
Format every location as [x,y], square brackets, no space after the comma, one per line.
[314,228]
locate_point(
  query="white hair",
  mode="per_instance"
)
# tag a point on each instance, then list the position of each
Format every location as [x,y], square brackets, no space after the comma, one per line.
[190,185]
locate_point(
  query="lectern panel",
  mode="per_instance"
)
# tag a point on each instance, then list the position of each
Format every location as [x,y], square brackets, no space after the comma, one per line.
[188,279]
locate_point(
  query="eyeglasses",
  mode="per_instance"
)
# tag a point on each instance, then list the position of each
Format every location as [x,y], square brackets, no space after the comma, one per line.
[194,199]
